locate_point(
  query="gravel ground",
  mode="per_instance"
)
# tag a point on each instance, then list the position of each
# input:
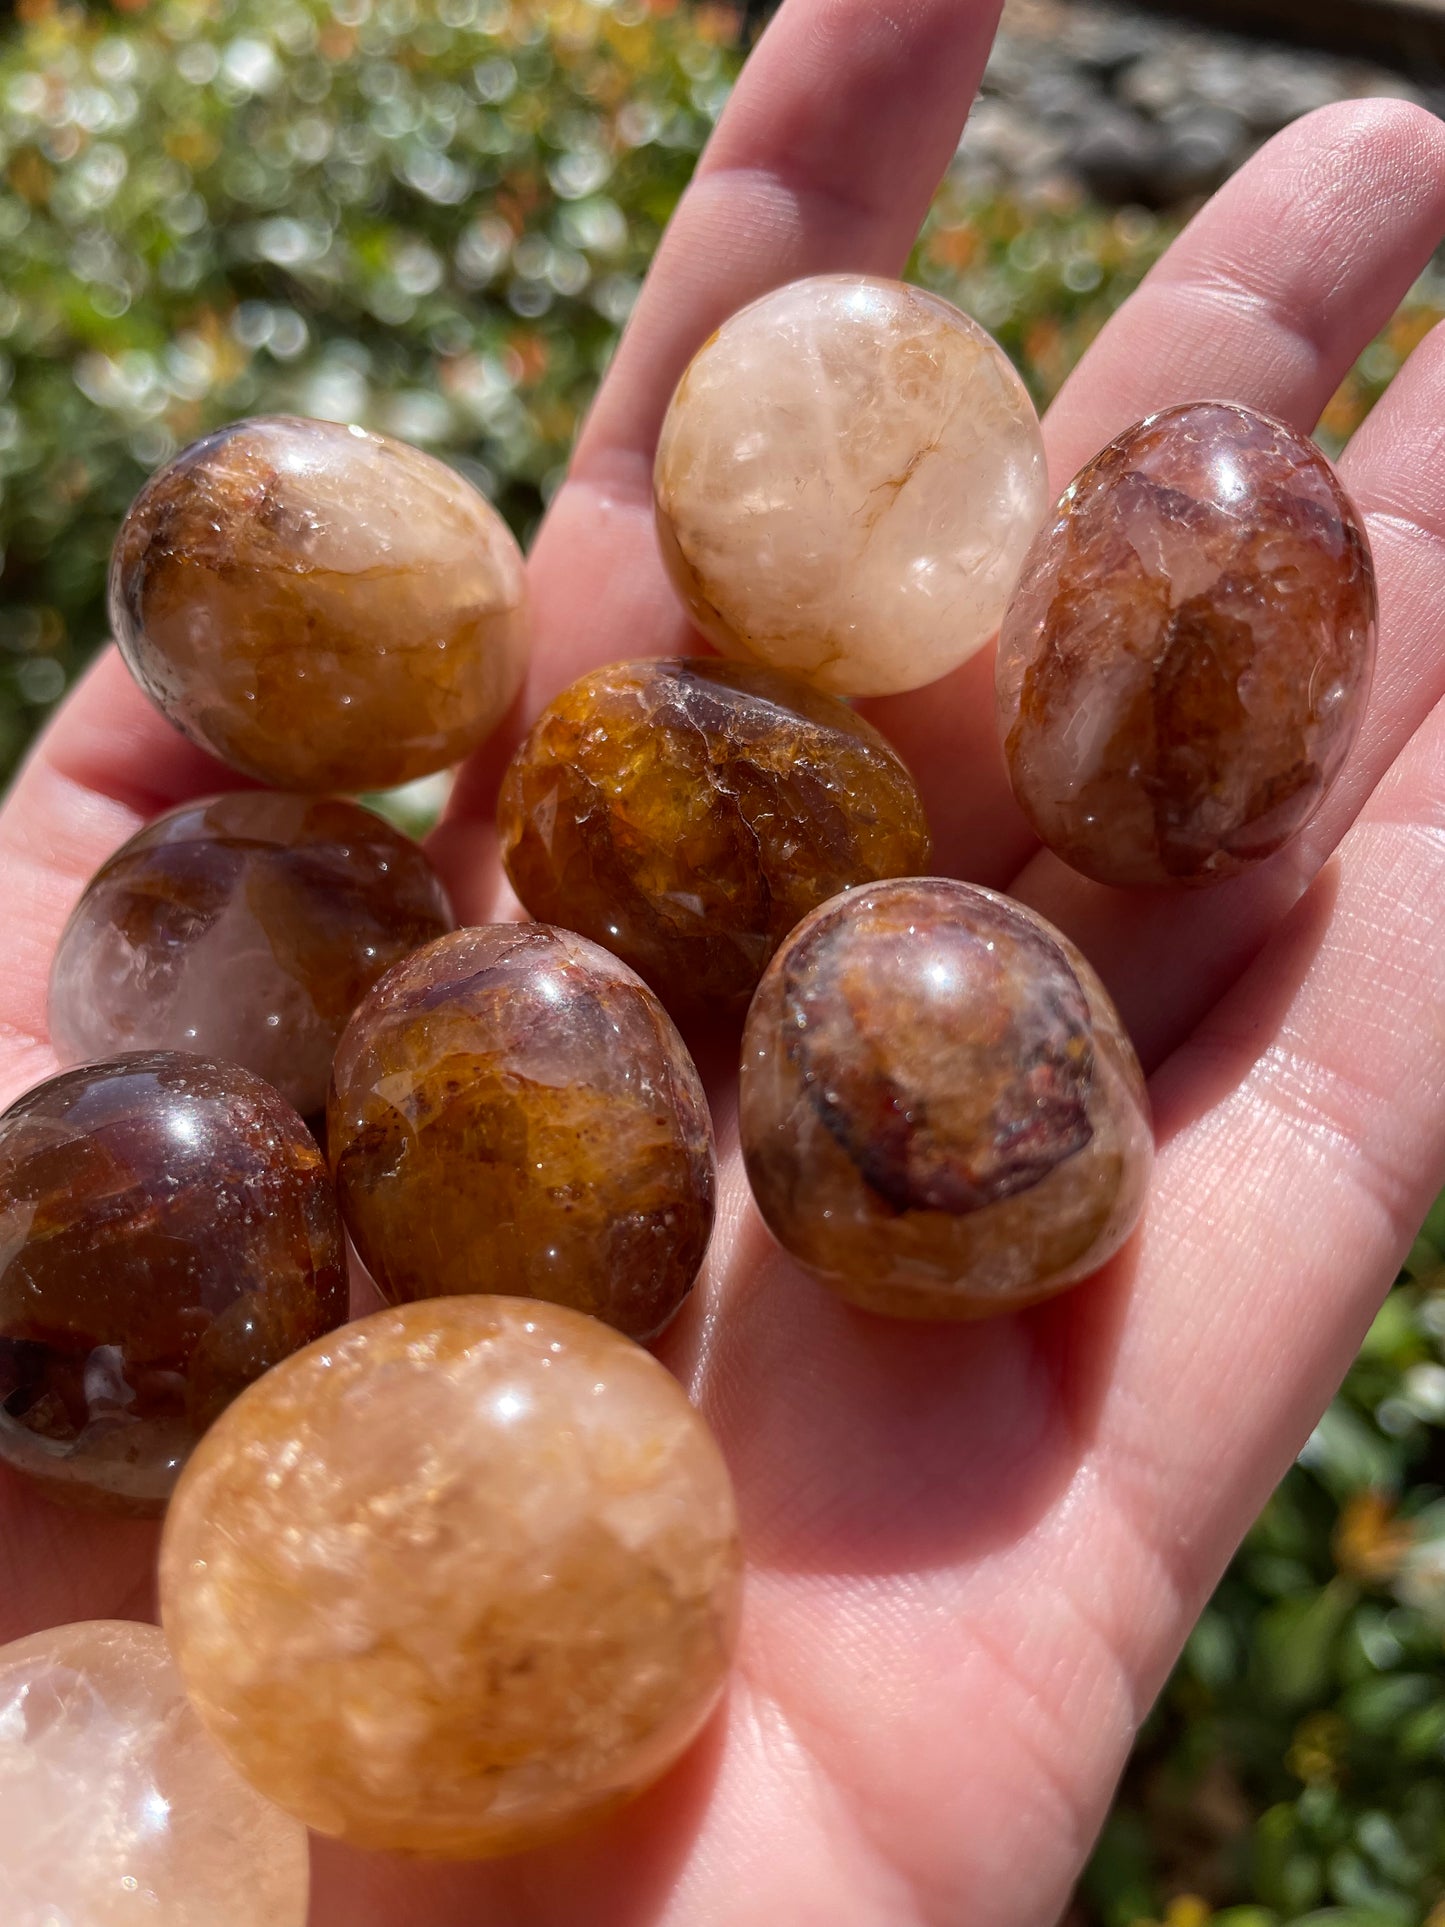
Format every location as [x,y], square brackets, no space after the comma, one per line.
[1139,109]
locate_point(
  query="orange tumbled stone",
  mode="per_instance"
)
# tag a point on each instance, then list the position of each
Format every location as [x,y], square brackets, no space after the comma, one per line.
[512,1110]
[687,813]
[1187,657]
[457,1580]
[321,608]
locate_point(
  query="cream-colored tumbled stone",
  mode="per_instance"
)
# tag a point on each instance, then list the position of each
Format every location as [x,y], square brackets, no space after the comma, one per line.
[116,1809]
[456,1580]
[847,480]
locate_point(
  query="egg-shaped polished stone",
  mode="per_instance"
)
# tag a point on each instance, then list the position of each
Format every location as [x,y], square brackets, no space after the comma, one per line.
[116,1806]
[512,1110]
[686,813]
[246,927]
[322,608]
[1188,656]
[847,480]
[458,1580]
[941,1115]
[168,1231]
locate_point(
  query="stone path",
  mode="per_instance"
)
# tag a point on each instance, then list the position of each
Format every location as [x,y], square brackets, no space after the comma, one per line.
[1139,107]
[1404,31]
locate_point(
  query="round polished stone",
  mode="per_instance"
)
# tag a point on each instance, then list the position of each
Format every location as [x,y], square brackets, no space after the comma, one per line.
[847,480]
[458,1580]
[322,608]
[1188,656]
[168,1231]
[115,1805]
[512,1110]
[687,813]
[941,1115]
[247,927]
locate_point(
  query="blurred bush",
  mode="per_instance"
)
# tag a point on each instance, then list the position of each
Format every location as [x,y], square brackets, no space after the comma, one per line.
[1294,1769]
[432,216]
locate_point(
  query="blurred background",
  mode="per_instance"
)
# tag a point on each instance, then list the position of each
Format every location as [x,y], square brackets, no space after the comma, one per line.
[432,216]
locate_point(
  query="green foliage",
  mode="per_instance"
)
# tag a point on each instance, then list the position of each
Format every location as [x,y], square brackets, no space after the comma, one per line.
[1294,1770]
[432,216]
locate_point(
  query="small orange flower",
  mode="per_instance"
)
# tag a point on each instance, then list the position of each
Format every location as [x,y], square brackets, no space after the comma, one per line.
[1370,1541]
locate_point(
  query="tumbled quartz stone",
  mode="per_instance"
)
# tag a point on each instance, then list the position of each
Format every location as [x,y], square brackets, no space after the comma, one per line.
[456,1581]
[116,1807]
[512,1110]
[847,480]
[1187,659]
[322,608]
[247,927]
[687,813]
[941,1115]
[168,1231]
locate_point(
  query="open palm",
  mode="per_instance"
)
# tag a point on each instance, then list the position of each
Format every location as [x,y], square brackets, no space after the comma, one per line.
[974,1551]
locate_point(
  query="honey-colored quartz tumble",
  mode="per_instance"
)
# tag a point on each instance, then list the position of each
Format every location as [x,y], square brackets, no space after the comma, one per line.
[116,1806]
[167,1232]
[457,1580]
[513,1111]
[1186,661]
[687,813]
[247,927]
[847,480]
[322,608]
[941,1115]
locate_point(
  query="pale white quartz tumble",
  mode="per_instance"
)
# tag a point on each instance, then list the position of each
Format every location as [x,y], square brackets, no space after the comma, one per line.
[116,1809]
[847,480]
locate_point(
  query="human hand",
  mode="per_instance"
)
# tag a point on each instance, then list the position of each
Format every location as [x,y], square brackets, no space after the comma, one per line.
[974,1551]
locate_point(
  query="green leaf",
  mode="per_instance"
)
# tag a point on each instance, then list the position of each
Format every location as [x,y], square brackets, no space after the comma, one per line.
[1295,1644]
[1379,1705]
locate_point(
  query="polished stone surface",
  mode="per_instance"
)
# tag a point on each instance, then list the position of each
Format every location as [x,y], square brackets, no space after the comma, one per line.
[513,1111]
[847,480]
[941,1115]
[246,927]
[116,1808]
[457,1581]
[1188,656]
[167,1232]
[686,813]
[324,609]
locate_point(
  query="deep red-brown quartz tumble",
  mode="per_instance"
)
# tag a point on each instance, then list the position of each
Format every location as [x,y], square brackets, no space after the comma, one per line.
[1187,656]
[168,1232]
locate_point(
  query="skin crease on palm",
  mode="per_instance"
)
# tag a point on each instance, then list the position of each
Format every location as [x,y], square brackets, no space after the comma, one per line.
[974,1551]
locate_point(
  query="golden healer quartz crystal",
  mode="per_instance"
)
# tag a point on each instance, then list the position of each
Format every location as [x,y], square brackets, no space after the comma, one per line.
[456,1580]
[512,1110]
[322,608]
[941,1115]
[685,813]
